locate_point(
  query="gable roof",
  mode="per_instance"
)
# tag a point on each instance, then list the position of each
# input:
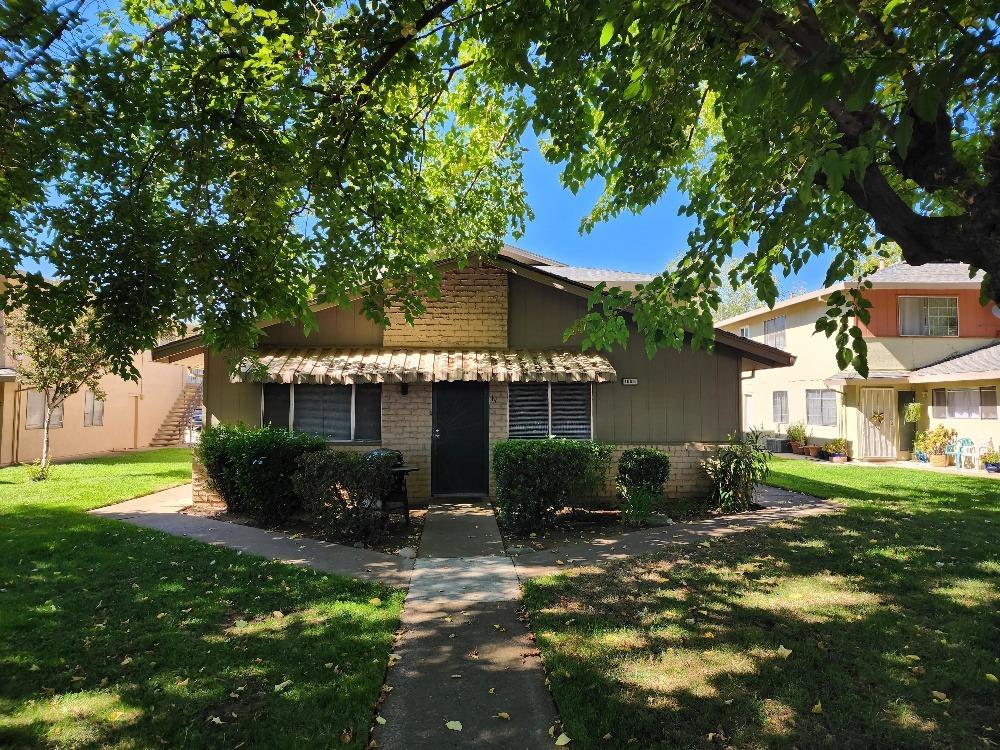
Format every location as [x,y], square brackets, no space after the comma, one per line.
[897,276]
[571,279]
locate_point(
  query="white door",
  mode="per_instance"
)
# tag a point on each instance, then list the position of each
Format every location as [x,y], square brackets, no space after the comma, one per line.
[877,426]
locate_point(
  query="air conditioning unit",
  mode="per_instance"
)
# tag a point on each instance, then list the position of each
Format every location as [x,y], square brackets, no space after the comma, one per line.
[776,445]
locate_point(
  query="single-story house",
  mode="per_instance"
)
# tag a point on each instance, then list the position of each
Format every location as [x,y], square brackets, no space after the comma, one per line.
[486,362]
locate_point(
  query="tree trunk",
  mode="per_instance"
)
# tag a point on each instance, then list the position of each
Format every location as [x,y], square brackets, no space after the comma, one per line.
[45,434]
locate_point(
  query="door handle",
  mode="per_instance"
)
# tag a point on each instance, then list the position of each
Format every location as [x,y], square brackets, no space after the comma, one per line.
[436,433]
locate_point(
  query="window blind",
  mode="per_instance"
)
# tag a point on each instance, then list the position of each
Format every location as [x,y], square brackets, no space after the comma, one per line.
[988,403]
[323,410]
[774,332]
[928,316]
[528,410]
[939,403]
[36,411]
[571,410]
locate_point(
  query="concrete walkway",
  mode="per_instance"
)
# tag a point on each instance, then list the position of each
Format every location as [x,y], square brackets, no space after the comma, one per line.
[464,655]
[162,511]
[779,505]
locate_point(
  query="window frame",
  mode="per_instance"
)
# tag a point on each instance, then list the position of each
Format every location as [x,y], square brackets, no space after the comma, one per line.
[548,395]
[823,397]
[787,411]
[58,412]
[978,390]
[745,331]
[354,392]
[771,337]
[928,335]
[89,394]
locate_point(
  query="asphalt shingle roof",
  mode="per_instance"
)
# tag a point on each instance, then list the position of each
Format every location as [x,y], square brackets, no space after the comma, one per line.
[594,276]
[935,273]
[985,359]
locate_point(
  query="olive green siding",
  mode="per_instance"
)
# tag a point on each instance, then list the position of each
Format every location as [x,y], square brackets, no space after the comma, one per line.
[335,326]
[681,396]
[226,402]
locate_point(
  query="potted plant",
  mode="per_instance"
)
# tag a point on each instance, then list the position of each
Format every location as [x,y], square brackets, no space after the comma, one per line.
[936,442]
[811,450]
[796,436]
[991,460]
[911,415]
[837,448]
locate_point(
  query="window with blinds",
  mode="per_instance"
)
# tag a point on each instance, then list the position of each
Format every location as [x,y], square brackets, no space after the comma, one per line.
[779,406]
[928,316]
[338,412]
[93,410]
[36,412]
[774,332]
[964,403]
[538,410]
[821,408]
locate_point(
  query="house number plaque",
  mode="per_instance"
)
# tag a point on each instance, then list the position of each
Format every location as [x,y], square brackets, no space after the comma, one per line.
[630,381]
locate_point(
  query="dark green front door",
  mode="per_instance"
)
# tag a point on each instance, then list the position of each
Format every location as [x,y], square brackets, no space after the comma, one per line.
[460,439]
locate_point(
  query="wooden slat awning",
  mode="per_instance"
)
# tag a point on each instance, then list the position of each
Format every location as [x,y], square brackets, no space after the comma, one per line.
[413,365]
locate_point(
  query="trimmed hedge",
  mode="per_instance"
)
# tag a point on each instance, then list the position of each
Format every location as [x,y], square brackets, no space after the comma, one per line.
[251,468]
[535,479]
[642,472]
[342,490]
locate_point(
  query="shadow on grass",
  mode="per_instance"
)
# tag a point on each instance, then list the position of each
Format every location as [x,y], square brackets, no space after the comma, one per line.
[880,604]
[114,636]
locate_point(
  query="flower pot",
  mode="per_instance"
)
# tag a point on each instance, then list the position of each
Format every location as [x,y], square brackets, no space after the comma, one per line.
[811,450]
[838,458]
[993,468]
[797,449]
[904,456]
[940,460]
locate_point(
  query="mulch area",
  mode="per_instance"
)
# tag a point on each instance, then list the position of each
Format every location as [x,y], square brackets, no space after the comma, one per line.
[586,525]
[400,534]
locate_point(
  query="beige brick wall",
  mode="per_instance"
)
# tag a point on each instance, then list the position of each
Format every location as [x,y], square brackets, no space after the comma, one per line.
[498,422]
[687,478]
[471,312]
[406,427]
[200,493]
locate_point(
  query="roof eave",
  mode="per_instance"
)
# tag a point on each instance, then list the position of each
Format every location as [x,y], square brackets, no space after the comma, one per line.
[955,377]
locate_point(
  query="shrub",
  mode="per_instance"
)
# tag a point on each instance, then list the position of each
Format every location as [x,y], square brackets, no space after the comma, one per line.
[937,440]
[535,479]
[796,432]
[642,472]
[37,471]
[251,468]
[342,490]
[735,471]
[837,447]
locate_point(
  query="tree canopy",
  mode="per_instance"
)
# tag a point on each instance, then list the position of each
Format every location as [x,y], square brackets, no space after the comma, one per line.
[230,161]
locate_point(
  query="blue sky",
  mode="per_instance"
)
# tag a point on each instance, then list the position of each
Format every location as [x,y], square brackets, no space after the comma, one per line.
[642,243]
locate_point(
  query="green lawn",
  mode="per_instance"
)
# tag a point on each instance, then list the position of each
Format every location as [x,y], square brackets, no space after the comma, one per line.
[889,609]
[113,636]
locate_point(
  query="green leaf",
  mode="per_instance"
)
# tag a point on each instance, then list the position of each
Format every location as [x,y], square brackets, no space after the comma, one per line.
[229,6]
[890,7]
[607,32]
[903,134]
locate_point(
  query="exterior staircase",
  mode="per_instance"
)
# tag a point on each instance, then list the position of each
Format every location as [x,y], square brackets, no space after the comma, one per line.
[179,418]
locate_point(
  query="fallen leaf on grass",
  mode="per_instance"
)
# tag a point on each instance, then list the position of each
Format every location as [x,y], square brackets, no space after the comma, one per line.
[991,677]
[380,720]
[562,740]
[455,726]
[282,685]
[939,696]
[818,708]
[783,652]
[503,715]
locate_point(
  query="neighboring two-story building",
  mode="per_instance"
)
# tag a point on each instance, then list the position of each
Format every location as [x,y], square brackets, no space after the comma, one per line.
[929,340]
[151,411]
